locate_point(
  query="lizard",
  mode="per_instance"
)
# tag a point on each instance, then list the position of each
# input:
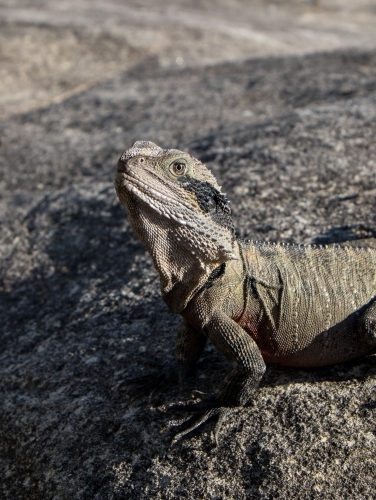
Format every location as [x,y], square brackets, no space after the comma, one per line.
[258,302]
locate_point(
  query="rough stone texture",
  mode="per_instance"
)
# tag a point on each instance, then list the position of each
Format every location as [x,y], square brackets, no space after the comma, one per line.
[292,140]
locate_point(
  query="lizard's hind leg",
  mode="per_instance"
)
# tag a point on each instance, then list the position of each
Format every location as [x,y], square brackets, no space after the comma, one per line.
[367,330]
[367,324]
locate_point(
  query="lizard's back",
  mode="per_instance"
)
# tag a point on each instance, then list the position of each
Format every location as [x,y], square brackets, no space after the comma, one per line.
[304,302]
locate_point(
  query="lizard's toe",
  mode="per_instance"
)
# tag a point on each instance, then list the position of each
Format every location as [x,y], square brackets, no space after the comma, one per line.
[205,404]
[204,410]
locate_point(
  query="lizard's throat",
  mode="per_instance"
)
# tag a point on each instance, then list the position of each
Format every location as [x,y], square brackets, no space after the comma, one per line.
[183,258]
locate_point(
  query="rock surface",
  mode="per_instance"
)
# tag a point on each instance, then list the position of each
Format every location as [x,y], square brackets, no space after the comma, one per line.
[292,139]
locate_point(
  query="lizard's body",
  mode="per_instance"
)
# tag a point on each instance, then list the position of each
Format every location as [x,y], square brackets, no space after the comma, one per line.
[288,298]
[296,305]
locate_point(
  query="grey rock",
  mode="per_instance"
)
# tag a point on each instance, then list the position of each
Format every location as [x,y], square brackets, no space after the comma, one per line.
[292,139]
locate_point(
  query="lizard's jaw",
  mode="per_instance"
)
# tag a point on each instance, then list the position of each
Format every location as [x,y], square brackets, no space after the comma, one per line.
[171,206]
[156,195]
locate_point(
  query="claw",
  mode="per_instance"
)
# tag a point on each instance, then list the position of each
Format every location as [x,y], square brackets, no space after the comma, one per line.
[199,394]
[221,417]
[207,409]
[206,416]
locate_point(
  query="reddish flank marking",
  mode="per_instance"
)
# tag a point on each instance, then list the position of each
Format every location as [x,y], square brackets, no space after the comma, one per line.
[260,331]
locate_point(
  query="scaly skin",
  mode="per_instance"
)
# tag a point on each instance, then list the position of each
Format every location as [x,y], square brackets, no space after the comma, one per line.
[294,305]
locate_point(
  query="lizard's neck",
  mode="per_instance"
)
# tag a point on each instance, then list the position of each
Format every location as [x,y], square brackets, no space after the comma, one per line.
[183,263]
[181,281]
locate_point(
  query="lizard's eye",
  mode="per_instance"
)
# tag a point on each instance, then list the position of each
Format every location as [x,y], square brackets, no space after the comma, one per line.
[178,168]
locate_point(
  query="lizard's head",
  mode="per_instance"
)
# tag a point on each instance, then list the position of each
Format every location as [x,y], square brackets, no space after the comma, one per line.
[166,191]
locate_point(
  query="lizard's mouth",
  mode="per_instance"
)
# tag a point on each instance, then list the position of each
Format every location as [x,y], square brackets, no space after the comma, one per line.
[121,167]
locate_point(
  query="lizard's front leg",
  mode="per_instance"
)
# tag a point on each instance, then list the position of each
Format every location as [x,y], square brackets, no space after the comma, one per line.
[189,348]
[236,389]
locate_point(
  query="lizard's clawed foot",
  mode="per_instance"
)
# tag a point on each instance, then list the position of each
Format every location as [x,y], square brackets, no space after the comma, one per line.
[205,410]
